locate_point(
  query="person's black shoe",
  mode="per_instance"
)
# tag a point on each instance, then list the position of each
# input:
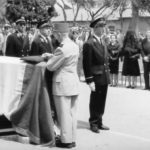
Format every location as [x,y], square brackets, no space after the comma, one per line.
[57,139]
[146,89]
[133,87]
[73,144]
[65,145]
[94,129]
[103,127]
[129,86]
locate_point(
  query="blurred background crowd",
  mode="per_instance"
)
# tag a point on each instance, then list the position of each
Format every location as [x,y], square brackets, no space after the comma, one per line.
[128,47]
[128,52]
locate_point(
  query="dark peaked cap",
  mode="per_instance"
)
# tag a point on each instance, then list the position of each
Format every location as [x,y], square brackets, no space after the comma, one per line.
[21,20]
[43,24]
[99,21]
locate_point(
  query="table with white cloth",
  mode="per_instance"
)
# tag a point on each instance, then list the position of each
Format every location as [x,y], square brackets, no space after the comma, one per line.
[24,99]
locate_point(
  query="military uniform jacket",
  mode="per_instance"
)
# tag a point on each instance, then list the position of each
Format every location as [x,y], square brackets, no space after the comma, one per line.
[40,45]
[95,62]
[16,45]
[64,64]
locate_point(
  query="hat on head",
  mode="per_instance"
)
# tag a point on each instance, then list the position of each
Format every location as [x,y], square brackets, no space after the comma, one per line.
[34,22]
[21,21]
[43,24]
[101,22]
[61,27]
[7,25]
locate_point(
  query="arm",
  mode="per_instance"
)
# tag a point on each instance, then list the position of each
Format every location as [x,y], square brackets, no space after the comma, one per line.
[56,60]
[142,48]
[87,65]
[87,62]
[34,49]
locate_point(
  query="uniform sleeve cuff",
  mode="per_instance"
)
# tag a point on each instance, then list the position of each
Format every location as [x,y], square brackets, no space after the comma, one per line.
[89,80]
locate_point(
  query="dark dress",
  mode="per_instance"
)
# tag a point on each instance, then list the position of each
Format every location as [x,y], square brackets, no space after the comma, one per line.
[114,57]
[130,64]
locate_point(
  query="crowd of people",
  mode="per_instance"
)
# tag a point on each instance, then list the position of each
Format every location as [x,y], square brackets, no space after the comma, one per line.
[119,48]
[73,52]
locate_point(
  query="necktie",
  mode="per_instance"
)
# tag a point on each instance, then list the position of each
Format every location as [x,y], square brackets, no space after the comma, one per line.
[100,40]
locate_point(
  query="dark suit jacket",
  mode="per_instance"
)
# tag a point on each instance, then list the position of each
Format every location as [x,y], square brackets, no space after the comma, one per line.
[95,62]
[145,51]
[40,46]
[17,46]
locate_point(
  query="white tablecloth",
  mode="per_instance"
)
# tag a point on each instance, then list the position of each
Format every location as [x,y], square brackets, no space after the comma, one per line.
[11,78]
[24,99]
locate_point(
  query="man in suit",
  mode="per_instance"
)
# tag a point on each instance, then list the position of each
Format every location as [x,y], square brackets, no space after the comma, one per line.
[17,45]
[96,70]
[145,52]
[65,85]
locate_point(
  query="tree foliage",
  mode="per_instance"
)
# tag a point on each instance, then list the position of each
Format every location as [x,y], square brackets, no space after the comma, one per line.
[30,9]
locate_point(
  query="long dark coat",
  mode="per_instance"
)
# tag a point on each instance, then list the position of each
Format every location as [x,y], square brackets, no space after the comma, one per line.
[131,54]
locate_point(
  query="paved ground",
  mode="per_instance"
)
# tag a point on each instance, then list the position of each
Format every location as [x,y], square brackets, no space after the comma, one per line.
[127,114]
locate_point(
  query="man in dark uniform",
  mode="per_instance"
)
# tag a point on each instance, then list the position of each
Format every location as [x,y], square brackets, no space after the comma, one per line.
[17,44]
[96,70]
[42,44]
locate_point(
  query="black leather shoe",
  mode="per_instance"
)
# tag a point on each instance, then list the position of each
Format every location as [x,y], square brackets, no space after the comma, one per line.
[129,86]
[94,129]
[103,127]
[73,144]
[65,145]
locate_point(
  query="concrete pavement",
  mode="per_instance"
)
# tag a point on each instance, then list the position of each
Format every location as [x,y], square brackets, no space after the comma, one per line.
[127,114]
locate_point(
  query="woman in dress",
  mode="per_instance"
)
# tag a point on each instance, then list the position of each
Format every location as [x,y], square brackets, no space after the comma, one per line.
[114,50]
[131,53]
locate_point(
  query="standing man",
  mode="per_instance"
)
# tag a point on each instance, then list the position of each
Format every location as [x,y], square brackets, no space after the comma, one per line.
[42,42]
[40,45]
[145,52]
[96,70]
[65,85]
[16,44]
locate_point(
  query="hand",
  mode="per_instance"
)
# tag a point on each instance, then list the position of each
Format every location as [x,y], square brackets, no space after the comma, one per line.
[92,86]
[146,59]
[47,55]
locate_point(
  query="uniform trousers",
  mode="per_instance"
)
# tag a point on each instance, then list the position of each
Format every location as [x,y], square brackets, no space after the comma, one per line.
[66,108]
[97,105]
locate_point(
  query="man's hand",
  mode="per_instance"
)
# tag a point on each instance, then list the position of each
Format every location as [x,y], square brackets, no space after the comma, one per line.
[92,86]
[47,55]
[146,59]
